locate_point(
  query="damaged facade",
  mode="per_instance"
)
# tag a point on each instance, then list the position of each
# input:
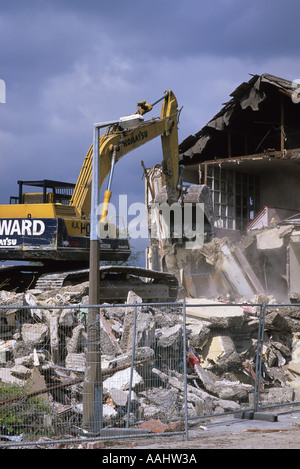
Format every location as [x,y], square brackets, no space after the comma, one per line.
[245,165]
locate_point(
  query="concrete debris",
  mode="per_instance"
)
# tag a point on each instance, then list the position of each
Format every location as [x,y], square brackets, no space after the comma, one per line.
[76,361]
[215,312]
[108,339]
[169,337]
[264,261]
[34,333]
[121,380]
[48,348]
[263,258]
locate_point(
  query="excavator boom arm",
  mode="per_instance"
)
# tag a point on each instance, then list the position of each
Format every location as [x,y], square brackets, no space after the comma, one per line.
[125,141]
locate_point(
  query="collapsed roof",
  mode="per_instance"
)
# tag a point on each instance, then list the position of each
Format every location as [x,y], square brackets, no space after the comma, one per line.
[261,117]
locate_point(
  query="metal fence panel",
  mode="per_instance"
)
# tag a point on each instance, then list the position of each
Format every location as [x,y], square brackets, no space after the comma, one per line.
[163,368]
[222,341]
[278,357]
[48,387]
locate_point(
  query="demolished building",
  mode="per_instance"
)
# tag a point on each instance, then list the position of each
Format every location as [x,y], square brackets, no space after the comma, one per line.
[244,168]
[247,158]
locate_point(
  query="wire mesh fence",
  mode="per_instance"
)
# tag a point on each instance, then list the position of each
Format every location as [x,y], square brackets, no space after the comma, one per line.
[140,369]
[278,372]
[63,377]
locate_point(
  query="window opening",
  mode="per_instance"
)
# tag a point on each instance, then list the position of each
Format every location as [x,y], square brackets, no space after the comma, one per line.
[235,197]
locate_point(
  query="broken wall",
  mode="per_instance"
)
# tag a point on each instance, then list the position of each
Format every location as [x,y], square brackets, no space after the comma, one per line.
[261,260]
[248,155]
[280,187]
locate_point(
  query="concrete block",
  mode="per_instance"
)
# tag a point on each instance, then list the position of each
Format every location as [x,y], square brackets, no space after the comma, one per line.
[251,415]
[265,416]
[247,415]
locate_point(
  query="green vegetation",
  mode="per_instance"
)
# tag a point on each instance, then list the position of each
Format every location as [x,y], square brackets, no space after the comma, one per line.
[19,416]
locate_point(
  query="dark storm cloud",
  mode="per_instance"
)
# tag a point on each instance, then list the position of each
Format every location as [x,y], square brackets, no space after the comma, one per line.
[69,63]
[39,42]
[49,35]
[43,38]
[175,28]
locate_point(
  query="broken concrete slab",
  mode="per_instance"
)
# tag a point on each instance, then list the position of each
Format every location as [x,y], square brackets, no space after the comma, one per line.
[29,359]
[198,332]
[6,349]
[9,315]
[145,329]
[169,336]
[159,401]
[54,339]
[127,339]
[220,353]
[66,317]
[109,344]
[252,277]
[224,388]
[235,391]
[235,274]
[34,333]
[120,397]
[198,396]
[20,371]
[109,413]
[78,340]
[121,380]
[277,395]
[216,312]
[140,354]
[294,383]
[276,321]
[273,238]
[37,382]
[6,376]
[76,361]
[294,363]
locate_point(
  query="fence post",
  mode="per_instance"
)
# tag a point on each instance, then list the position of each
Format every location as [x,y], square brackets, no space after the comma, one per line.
[260,340]
[93,386]
[132,364]
[184,369]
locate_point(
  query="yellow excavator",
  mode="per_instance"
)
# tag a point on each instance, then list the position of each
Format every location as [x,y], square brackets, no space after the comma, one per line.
[50,228]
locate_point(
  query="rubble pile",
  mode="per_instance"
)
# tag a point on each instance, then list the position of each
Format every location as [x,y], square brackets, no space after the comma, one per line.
[264,260]
[42,351]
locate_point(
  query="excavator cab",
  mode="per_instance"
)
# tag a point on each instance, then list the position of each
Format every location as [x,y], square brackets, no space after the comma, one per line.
[51,192]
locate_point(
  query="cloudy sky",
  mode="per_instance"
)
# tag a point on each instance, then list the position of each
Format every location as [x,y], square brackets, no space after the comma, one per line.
[69,63]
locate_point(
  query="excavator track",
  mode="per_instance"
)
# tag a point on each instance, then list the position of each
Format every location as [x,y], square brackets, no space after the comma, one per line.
[115,282]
